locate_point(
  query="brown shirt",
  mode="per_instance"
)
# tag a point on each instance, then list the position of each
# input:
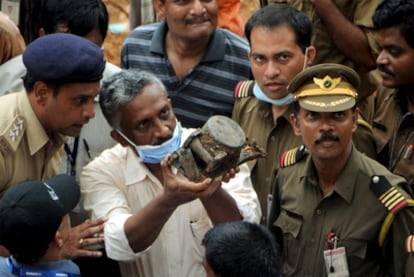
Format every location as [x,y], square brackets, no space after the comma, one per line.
[394,133]
[302,219]
[26,151]
[256,119]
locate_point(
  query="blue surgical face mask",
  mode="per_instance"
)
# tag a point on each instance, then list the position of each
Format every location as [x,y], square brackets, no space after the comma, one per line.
[154,154]
[277,102]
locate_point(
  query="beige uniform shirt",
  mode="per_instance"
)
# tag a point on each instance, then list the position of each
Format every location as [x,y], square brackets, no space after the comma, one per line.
[26,151]
[256,119]
[117,185]
[352,211]
[394,134]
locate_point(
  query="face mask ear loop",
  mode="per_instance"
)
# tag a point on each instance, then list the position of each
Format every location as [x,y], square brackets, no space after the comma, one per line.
[125,138]
[130,142]
[306,59]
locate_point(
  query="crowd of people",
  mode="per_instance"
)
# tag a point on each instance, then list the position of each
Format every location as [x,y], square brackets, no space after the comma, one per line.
[325,88]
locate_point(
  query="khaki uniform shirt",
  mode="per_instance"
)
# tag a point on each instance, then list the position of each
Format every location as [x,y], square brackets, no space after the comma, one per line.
[358,12]
[26,151]
[394,134]
[302,218]
[256,119]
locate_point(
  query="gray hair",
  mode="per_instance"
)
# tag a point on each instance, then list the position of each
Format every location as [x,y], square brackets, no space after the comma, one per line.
[119,89]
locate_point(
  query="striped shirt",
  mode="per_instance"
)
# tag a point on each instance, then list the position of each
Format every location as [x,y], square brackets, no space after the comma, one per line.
[207,89]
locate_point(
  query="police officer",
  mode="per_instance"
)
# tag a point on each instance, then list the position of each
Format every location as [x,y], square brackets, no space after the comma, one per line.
[394,110]
[62,80]
[330,201]
[280,43]
[344,34]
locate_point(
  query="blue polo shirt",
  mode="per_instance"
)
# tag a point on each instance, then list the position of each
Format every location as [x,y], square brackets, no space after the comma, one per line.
[206,90]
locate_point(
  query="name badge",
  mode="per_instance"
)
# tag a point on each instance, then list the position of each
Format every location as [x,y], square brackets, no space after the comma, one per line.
[336,262]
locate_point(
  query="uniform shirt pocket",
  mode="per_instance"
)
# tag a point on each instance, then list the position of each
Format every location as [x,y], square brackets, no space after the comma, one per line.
[290,224]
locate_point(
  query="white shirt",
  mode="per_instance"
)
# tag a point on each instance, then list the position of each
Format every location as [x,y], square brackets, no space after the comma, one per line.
[117,185]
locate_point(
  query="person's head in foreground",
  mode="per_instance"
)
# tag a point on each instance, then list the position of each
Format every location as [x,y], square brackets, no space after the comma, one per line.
[34,218]
[241,249]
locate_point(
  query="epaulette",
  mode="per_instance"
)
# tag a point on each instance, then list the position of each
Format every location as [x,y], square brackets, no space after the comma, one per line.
[244,89]
[292,156]
[12,135]
[364,123]
[409,244]
[392,199]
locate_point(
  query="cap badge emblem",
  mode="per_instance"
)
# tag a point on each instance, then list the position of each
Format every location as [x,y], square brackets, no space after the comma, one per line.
[327,83]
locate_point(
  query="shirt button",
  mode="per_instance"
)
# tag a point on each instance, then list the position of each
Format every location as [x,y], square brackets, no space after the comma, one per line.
[318,212]
[267,179]
[272,138]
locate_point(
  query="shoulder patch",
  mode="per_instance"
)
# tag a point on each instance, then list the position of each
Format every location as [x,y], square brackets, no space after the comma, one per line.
[292,156]
[392,199]
[243,89]
[388,195]
[12,135]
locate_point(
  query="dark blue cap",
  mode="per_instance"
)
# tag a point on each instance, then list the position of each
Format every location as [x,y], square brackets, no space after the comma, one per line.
[64,58]
[31,213]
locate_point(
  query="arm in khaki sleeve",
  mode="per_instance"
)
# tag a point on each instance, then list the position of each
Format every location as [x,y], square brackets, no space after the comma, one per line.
[350,39]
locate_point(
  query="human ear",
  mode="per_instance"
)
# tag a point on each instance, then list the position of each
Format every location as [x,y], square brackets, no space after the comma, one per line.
[295,123]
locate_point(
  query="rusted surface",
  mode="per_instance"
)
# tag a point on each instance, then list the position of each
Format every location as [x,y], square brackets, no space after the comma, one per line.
[214,149]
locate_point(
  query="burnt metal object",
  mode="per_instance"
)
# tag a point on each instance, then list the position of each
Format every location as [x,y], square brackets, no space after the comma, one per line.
[214,149]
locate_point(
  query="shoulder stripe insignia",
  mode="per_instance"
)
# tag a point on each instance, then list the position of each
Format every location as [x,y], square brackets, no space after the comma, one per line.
[12,135]
[392,199]
[244,89]
[292,156]
[389,196]
[409,244]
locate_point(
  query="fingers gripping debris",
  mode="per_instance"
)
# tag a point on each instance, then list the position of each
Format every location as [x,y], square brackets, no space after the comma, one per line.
[214,149]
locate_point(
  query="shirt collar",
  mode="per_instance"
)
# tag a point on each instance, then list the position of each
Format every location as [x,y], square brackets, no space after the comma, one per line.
[215,48]
[136,171]
[345,185]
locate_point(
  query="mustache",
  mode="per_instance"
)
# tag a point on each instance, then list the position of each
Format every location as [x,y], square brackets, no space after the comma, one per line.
[384,68]
[195,20]
[326,136]
[162,140]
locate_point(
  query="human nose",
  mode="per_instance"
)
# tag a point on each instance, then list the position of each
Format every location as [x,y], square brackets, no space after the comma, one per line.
[89,110]
[382,58]
[198,7]
[162,130]
[272,70]
[326,125]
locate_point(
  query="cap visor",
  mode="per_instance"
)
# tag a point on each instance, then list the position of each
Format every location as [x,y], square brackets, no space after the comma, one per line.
[327,103]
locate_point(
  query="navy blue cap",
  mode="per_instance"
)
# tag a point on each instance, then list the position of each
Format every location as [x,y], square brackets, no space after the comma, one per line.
[32,211]
[64,58]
